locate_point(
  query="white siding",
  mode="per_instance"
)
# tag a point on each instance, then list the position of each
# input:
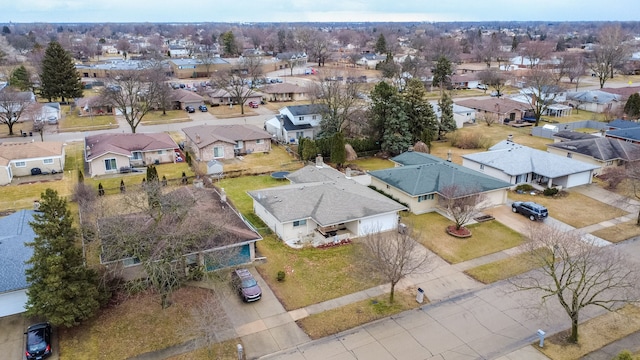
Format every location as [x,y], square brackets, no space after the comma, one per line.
[13,302]
[578,179]
[383,222]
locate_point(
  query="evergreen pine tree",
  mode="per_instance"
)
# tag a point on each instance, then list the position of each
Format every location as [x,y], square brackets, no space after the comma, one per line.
[381,45]
[338,151]
[423,124]
[447,123]
[632,107]
[58,77]
[396,137]
[381,97]
[61,289]
[100,189]
[20,79]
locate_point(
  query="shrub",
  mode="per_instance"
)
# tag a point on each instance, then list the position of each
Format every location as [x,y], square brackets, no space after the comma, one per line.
[469,140]
[196,273]
[524,187]
[550,191]
[281,275]
[624,355]
[613,176]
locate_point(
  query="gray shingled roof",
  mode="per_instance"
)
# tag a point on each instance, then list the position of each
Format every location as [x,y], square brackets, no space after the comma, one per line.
[15,231]
[623,124]
[514,159]
[603,149]
[300,110]
[593,96]
[126,144]
[324,195]
[573,135]
[433,175]
[210,134]
[627,134]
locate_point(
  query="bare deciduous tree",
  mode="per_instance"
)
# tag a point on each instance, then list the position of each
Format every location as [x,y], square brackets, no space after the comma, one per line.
[339,100]
[536,51]
[393,255]
[13,104]
[577,273]
[234,81]
[609,53]
[542,89]
[461,203]
[495,79]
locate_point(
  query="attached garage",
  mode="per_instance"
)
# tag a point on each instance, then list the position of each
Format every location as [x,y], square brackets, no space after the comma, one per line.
[12,302]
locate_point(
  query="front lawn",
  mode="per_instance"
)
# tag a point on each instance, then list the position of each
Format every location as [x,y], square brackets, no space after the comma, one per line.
[171,116]
[619,232]
[487,237]
[312,275]
[502,269]
[372,163]
[136,326]
[359,313]
[71,121]
[573,209]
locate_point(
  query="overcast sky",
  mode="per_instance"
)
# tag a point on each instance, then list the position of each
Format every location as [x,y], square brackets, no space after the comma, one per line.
[314,10]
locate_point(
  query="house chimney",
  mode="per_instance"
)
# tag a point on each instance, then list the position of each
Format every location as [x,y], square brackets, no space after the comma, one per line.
[347,173]
[198,139]
[449,155]
[319,161]
[510,138]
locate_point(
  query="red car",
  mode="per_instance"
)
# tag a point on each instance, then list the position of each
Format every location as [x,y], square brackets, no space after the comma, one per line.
[253,104]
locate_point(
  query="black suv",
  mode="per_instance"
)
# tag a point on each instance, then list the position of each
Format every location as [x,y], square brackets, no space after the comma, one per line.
[246,285]
[530,209]
[190,109]
[38,344]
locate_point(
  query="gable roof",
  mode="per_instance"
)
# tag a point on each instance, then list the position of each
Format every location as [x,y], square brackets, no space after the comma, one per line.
[628,133]
[433,174]
[593,96]
[623,124]
[28,150]
[126,144]
[183,95]
[209,134]
[301,110]
[573,135]
[290,126]
[514,159]
[602,148]
[324,195]
[15,231]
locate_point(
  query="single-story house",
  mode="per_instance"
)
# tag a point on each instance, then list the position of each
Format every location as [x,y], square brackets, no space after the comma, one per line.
[594,100]
[42,113]
[323,205]
[17,159]
[285,92]
[422,180]
[461,114]
[518,164]
[196,68]
[603,152]
[211,142]
[182,98]
[295,122]
[631,135]
[223,97]
[370,61]
[619,124]
[499,108]
[111,153]
[465,81]
[234,236]
[15,231]
[93,106]
[568,135]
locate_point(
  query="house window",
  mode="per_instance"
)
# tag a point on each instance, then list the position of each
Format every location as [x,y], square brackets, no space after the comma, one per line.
[160,152]
[218,152]
[609,163]
[301,118]
[259,141]
[136,155]
[299,134]
[110,164]
[569,155]
[21,163]
[130,261]
[422,198]
[47,161]
[313,117]
[300,222]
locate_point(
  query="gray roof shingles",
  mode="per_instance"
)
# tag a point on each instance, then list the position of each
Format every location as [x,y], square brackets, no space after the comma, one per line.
[324,195]
[15,231]
[603,149]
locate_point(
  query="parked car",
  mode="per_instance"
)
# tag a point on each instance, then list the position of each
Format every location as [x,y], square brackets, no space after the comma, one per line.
[530,209]
[246,285]
[38,344]
[482,87]
[253,104]
[202,108]
[496,94]
[189,109]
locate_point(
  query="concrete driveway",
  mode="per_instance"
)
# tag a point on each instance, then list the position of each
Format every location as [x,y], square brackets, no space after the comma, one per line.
[12,338]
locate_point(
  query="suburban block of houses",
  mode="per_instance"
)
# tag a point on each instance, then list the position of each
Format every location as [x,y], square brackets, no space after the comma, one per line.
[211,142]
[422,180]
[321,205]
[17,159]
[112,153]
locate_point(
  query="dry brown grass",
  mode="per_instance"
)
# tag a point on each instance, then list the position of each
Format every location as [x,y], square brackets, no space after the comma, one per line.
[487,237]
[25,126]
[594,334]
[276,160]
[136,326]
[502,269]
[573,209]
[222,351]
[349,316]
[619,232]
[225,112]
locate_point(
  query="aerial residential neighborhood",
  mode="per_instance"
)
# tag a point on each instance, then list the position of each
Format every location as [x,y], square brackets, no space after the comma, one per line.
[380,184]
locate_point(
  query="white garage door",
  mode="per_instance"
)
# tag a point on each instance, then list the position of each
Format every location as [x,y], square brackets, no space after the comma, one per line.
[12,302]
